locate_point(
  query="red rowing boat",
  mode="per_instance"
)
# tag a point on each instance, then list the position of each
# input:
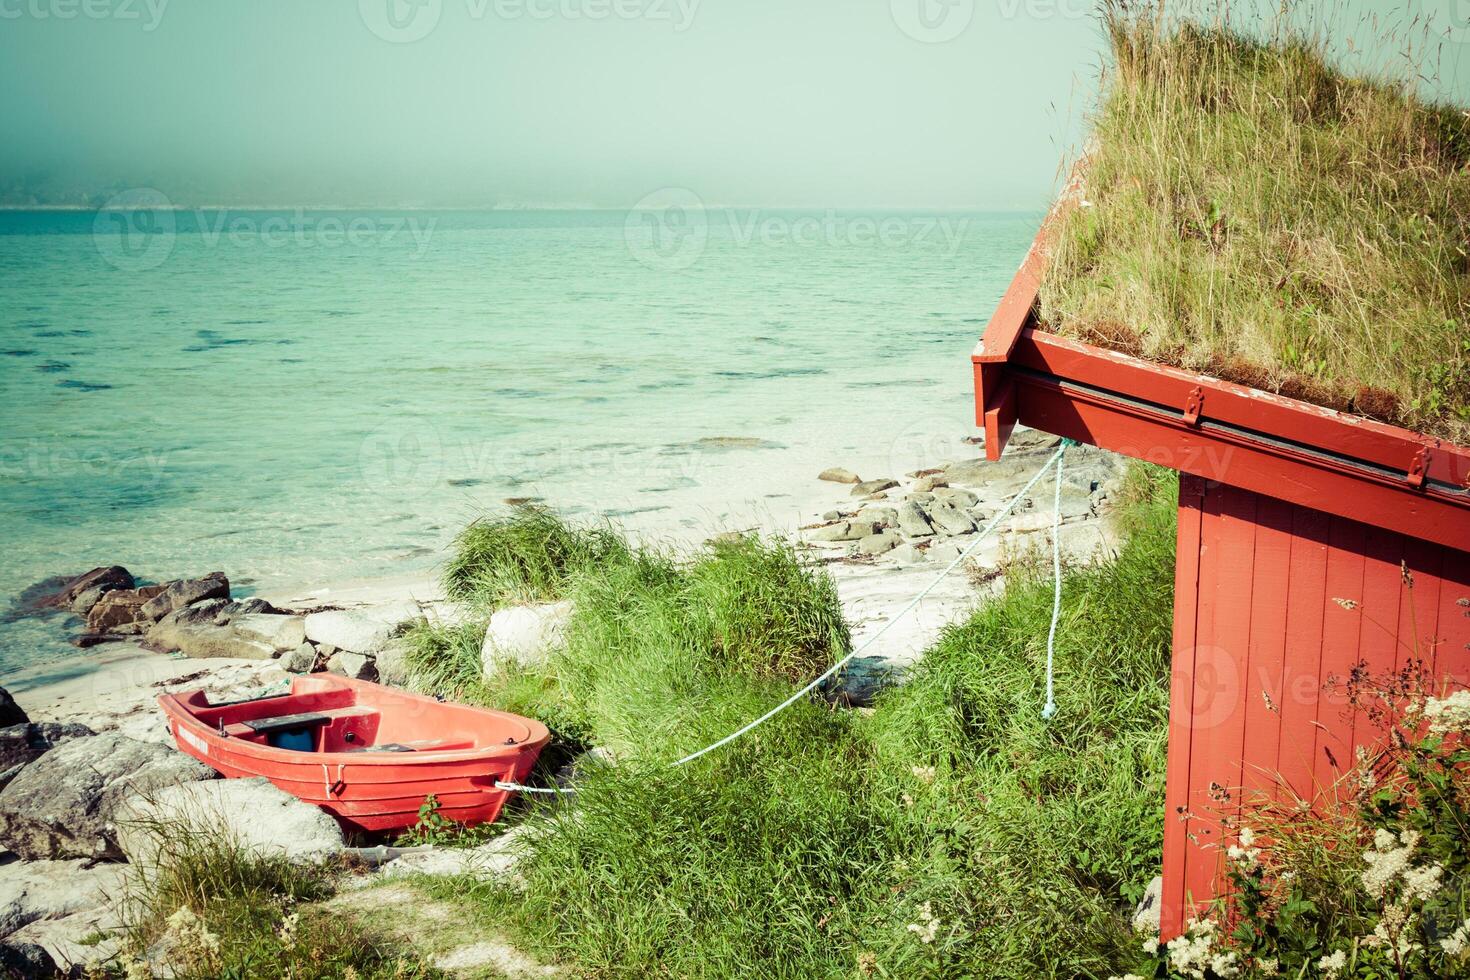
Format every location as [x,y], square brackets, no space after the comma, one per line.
[369,755]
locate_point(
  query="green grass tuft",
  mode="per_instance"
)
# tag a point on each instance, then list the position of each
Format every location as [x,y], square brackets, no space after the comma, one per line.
[529,555]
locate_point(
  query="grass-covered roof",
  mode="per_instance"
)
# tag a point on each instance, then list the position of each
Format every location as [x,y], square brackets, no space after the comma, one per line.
[1251,210]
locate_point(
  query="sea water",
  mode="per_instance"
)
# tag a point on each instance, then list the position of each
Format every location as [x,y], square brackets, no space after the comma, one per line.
[303,396]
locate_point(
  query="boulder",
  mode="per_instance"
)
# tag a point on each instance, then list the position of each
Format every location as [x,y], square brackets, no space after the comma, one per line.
[843,531]
[278,631]
[838,475]
[23,961]
[882,517]
[913,520]
[949,518]
[62,805]
[358,666]
[254,605]
[27,742]
[1146,917]
[868,487]
[34,890]
[926,483]
[251,813]
[907,554]
[880,543]
[206,640]
[93,584]
[956,495]
[392,662]
[10,712]
[204,611]
[365,630]
[121,611]
[186,592]
[302,660]
[525,635]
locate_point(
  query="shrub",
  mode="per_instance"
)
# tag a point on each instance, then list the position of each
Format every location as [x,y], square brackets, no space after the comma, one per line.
[529,555]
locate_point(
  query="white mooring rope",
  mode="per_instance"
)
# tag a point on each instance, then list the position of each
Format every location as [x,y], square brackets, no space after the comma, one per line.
[1047,712]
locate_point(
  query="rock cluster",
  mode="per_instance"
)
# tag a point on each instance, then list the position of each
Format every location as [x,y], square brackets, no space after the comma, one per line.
[942,508]
[196,617]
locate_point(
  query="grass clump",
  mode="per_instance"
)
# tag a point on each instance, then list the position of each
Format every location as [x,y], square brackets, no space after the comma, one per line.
[950,832]
[205,908]
[529,555]
[1251,210]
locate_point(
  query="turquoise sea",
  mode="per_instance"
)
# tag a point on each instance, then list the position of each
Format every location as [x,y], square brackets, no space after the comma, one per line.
[303,396]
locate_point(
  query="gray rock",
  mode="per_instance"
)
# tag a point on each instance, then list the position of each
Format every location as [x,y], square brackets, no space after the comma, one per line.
[838,475]
[524,635]
[358,666]
[205,611]
[392,662]
[870,487]
[913,520]
[10,712]
[276,630]
[365,630]
[121,611]
[926,483]
[27,742]
[251,814]
[84,601]
[206,640]
[255,605]
[957,496]
[35,890]
[832,515]
[186,592]
[843,531]
[23,961]
[882,517]
[880,543]
[302,660]
[62,805]
[924,497]
[907,554]
[949,518]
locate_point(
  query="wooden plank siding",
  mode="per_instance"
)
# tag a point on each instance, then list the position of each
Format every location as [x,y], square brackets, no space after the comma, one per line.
[1276,604]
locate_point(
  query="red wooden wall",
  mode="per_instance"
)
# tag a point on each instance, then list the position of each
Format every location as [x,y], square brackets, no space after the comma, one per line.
[1257,634]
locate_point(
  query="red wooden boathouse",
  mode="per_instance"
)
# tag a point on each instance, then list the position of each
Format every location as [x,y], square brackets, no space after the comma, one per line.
[1284,507]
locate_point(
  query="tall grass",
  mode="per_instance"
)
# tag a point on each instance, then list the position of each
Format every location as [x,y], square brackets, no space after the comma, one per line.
[1252,210]
[526,556]
[204,908]
[949,833]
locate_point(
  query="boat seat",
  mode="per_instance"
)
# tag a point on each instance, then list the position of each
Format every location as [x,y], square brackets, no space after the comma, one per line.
[305,719]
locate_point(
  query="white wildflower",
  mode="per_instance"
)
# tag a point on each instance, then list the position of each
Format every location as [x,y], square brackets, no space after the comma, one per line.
[1268,968]
[1332,965]
[1190,954]
[1458,941]
[1387,861]
[928,925]
[1151,945]
[1422,883]
[1446,715]
[924,774]
[1247,837]
[1225,965]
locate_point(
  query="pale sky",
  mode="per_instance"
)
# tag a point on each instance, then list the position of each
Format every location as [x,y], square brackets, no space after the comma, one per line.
[813,103]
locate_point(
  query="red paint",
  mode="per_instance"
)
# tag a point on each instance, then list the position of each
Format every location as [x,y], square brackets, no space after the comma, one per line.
[456,752]
[1296,524]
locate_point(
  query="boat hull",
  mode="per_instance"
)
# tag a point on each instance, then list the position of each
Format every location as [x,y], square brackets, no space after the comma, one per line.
[375,756]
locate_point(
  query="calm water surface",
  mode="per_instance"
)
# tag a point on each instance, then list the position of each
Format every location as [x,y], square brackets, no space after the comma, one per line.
[292,396]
